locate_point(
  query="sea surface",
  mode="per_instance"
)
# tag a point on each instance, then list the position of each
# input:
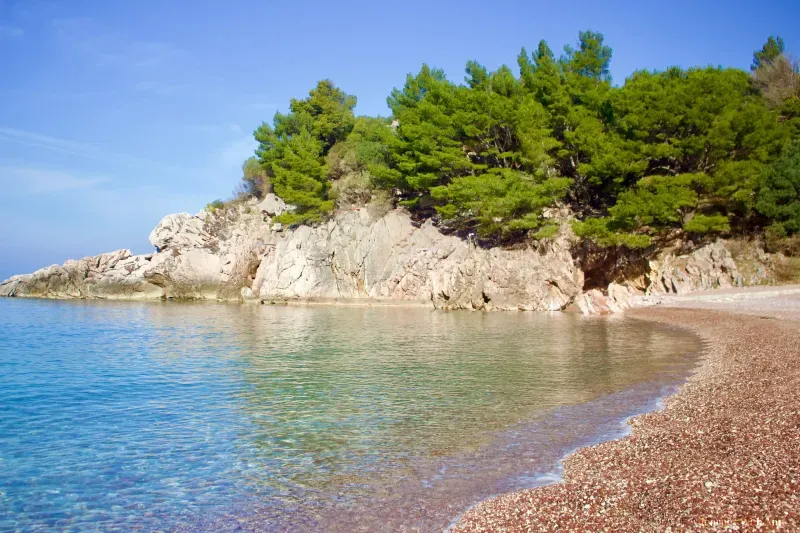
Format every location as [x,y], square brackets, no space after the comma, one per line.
[164,416]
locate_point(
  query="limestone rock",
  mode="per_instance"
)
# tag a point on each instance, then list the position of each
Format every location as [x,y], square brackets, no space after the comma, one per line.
[209,256]
[233,254]
[118,275]
[272,205]
[356,257]
[593,302]
[248,295]
[180,230]
[708,267]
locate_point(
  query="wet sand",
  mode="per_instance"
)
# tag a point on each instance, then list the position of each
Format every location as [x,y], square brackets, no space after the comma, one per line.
[723,454]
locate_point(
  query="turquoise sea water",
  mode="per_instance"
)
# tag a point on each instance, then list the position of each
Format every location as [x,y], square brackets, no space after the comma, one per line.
[206,417]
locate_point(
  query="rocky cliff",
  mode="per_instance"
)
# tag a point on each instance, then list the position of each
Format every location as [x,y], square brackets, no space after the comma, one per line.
[708,267]
[356,257]
[237,253]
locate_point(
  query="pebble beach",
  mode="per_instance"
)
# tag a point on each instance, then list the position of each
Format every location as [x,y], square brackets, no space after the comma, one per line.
[722,455]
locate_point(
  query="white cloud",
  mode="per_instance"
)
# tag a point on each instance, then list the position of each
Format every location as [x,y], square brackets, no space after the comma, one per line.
[45,141]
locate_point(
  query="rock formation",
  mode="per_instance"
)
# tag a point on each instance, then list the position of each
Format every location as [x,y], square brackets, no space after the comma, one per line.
[112,275]
[708,267]
[238,253]
[356,257]
[205,256]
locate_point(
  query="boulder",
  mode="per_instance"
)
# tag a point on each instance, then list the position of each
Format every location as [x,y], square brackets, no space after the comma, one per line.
[272,205]
[180,230]
[708,267]
[593,302]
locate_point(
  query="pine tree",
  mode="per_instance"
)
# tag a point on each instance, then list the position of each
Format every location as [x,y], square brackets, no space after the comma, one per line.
[773,48]
[292,150]
[779,196]
[591,59]
[693,150]
[301,180]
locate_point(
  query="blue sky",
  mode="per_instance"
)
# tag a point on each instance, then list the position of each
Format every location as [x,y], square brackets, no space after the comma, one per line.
[115,113]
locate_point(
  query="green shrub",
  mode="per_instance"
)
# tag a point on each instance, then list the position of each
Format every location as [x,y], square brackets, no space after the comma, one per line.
[215,206]
[779,197]
[707,224]
[353,188]
[597,230]
[547,231]
[380,204]
[777,241]
[255,180]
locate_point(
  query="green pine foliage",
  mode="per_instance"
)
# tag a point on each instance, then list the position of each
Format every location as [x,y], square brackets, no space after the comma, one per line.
[601,231]
[703,151]
[771,50]
[292,150]
[779,196]
[707,224]
[355,163]
[300,178]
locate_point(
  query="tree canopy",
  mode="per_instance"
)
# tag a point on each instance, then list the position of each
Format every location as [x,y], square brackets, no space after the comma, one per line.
[772,49]
[292,150]
[699,150]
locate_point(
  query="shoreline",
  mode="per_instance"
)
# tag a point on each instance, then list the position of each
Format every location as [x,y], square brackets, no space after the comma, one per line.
[722,453]
[275,302]
[711,299]
[625,429]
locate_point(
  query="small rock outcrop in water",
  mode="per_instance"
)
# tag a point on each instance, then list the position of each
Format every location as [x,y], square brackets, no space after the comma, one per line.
[207,256]
[111,275]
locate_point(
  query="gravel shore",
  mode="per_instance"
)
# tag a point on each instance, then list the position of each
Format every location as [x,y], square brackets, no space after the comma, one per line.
[723,454]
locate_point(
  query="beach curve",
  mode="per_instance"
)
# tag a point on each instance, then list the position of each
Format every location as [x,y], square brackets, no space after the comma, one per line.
[723,453]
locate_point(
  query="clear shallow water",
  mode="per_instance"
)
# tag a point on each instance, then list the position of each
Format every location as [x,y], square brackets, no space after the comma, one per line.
[202,417]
